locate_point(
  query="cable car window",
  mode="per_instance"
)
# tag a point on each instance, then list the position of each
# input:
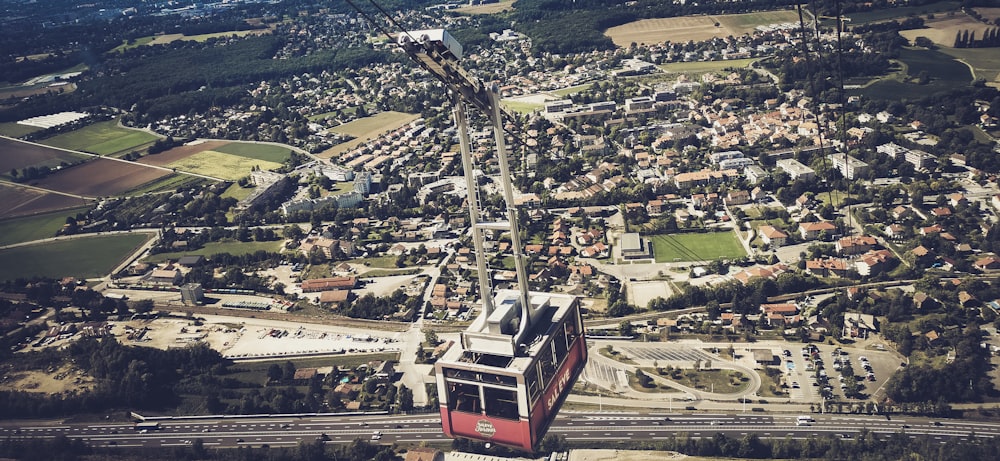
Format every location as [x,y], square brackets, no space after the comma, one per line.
[501,403]
[500,380]
[464,397]
[532,384]
[559,343]
[546,364]
[573,328]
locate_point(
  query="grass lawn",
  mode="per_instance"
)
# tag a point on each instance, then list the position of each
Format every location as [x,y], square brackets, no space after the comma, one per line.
[102,138]
[718,381]
[15,130]
[211,248]
[944,71]
[323,116]
[84,257]
[522,107]
[36,227]
[696,246]
[265,152]
[221,165]
[706,66]
[237,192]
[135,44]
[380,262]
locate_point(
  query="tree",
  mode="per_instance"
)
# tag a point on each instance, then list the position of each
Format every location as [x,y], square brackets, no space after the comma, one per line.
[625,328]
[431,338]
[274,373]
[405,398]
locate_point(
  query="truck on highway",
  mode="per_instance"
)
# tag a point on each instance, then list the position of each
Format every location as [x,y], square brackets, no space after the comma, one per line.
[147,426]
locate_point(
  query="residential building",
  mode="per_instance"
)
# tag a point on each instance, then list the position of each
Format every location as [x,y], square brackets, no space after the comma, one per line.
[812,230]
[850,167]
[796,170]
[772,236]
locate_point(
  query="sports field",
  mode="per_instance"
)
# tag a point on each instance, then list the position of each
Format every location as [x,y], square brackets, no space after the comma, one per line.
[697,28]
[102,138]
[696,247]
[700,67]
[84,257]
[37,227]
[221,165]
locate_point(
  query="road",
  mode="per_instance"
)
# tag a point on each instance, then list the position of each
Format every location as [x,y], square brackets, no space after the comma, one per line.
[610,428]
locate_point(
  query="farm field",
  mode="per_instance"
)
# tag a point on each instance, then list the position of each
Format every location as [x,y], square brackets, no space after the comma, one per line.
[367,128]
[233,248]
[696,246]
[219,165]
[84,257]
[16,200]
[180,152]
[16,130]
[697,28]
[102,138]
[944,71]
[20,155]
[36,227]
[266,152]
[23,91]
[101,177]
[942,30]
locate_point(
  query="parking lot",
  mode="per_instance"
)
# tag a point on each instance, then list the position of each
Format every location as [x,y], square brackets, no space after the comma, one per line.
[809,364]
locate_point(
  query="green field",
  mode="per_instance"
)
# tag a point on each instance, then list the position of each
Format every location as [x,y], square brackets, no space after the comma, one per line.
[211,248]
[237,192]
[265,152]
[36,227]
[15,130]
[696,246]
[135,44]
[944,71]
[84,257]
[521,107]
[705,66]
[219,165]
[985,62]
[102,138]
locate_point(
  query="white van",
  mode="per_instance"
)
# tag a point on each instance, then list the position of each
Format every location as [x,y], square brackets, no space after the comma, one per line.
[804,421]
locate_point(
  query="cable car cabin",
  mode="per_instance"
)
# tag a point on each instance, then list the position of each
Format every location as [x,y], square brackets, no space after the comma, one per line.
[504,385]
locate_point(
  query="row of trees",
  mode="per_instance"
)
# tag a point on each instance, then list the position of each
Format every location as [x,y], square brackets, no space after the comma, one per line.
[967,39]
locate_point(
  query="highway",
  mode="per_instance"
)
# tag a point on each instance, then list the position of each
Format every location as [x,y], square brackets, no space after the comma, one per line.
[289,430]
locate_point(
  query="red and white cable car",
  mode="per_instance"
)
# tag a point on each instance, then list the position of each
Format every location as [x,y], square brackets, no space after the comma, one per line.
[498,388]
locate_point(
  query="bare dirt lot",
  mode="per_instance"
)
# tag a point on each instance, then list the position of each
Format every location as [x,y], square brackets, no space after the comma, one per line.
[22,201]
[64,379]
[17,154]
[624,455]
[180,153]
[101,177]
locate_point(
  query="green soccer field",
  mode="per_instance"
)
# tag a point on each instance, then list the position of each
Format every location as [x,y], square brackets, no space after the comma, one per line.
[696,247]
